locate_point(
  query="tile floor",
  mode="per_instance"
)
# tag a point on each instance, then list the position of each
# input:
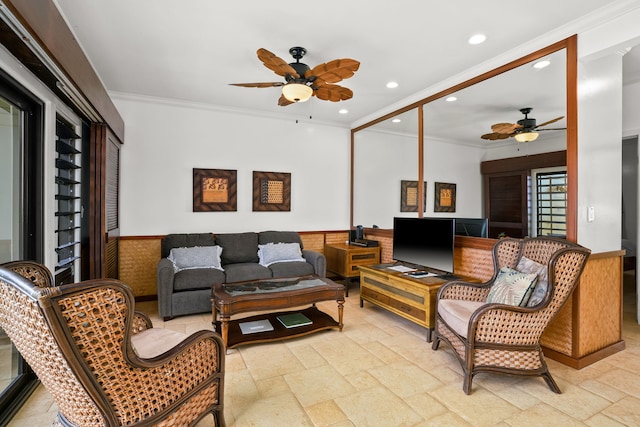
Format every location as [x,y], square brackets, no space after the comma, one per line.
[380,372]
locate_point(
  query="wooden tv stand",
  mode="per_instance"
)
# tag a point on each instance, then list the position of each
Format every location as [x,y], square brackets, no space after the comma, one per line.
[409,297]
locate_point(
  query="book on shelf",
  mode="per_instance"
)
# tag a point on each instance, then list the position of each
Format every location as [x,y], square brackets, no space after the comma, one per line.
[255,326]
[293,320]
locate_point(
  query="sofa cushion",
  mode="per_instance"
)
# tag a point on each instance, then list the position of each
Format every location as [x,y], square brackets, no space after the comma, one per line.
[238,247]
[279,252]
[197,278]
[512,287]
[241,272]
[265,237]
[527,265]
[196,257]
[185,240]
[456,313]
[291,269]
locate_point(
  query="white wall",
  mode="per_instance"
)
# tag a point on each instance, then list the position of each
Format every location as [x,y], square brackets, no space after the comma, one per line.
[455,164]
[165,140]
[600,127]
[631,108]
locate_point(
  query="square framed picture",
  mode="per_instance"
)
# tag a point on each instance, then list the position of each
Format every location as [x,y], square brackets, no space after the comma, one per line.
[409,196]
[214,190]
[445,197]
[271,191]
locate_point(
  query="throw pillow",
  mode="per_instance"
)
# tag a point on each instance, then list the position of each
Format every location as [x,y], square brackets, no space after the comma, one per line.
[512,287]
[196,257]
[527,265]
[279,252]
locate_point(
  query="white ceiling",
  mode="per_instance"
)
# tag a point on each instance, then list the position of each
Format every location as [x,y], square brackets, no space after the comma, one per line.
[191,50]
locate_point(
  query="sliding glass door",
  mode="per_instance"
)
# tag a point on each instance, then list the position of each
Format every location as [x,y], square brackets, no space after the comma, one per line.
[21,217]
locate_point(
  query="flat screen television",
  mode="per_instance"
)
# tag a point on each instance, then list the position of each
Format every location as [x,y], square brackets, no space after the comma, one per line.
[473,227]
[424,242]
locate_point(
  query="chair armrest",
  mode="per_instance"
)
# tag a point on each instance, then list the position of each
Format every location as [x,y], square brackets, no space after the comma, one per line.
[466,291]
[487,324]
[317,260]
[140,323]
[166,275]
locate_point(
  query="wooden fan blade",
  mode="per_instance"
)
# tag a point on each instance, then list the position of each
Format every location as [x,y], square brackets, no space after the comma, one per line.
[334,71]
[276,64]
[507,128]
[333,93]
[495,136]
[283,102]
[265,84]
[550,121]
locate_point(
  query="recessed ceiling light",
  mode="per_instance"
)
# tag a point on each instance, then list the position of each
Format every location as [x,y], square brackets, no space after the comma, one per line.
[477,39]
[343,111]
[541,64]
[396,120]
[392,85]
[451,99]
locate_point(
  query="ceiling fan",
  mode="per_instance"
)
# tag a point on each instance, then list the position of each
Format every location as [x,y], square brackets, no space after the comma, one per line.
[302,82]
[525,130]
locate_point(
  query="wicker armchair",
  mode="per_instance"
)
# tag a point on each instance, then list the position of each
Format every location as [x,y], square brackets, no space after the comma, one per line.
[492,337]
[103,364]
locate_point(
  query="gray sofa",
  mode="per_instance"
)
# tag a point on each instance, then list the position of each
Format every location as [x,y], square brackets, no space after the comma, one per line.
[185,276]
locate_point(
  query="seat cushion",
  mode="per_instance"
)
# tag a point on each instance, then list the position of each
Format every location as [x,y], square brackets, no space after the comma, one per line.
[155,341]
[246,271]
[456,313]
[197,278]
[291,269]
[238,247]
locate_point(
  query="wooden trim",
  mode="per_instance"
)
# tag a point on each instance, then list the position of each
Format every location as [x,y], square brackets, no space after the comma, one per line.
[524,163]
[584,361]
[49,29]
[422,193]
[572,137]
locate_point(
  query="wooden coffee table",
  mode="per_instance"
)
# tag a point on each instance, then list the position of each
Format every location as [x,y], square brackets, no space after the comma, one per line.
[273,295]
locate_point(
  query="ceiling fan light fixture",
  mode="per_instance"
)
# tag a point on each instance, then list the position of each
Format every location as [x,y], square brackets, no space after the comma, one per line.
[297,92]
[526,136]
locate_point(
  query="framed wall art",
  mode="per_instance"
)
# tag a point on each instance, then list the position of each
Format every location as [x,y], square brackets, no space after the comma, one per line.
[445,197]
[271,191]
[409,196]
[214,190]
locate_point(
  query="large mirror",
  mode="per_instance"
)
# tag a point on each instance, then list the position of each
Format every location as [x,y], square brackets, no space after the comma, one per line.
[451,142]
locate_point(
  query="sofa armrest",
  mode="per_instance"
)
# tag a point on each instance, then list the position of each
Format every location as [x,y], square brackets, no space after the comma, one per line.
[317,260]
[166,274]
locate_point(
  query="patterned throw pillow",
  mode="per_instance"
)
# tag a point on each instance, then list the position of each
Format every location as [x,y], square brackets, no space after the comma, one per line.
[279,252]
[512,287]
[527,265]
[196,257]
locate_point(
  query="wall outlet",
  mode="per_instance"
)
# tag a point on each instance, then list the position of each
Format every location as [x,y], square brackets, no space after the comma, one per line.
[591,214]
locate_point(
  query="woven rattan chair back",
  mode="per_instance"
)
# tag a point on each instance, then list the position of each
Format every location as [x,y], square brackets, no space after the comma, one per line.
[506,338]
[77,339]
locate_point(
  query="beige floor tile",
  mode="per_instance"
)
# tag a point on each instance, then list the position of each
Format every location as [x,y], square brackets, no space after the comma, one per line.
[623,380]
[326,413]
[308,356]
[448,419]
[278,411]
[316,385]
[426,406]
[346,356]
[601,420]
[280,360]
[362,380]
[378,407]
[542,415]
[480,408]
[626,411]
[405,379]
[575,401]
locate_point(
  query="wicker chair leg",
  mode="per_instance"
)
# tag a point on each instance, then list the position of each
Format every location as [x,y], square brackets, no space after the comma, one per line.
[551,383]
[436,342]
[468,377]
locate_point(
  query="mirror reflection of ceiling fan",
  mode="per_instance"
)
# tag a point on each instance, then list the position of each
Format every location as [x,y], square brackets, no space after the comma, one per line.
[302,82]
[525,130]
